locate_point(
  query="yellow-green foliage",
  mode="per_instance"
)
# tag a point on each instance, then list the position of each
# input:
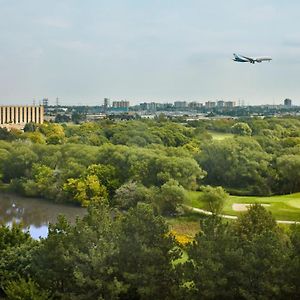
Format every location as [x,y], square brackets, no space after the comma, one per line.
[84,190]
[182,239]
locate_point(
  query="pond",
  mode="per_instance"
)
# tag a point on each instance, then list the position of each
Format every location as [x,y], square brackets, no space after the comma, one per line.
[35,214]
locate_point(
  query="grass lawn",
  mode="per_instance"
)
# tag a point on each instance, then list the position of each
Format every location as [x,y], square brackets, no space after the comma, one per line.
[285,207]
[219,136]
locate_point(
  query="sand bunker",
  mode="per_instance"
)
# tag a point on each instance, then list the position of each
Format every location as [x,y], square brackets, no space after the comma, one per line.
[244,206]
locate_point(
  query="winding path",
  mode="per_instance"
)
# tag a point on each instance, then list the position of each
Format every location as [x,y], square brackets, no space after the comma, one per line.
[202,211]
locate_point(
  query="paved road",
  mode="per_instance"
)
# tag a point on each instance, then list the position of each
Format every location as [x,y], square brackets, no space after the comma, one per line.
[202,211]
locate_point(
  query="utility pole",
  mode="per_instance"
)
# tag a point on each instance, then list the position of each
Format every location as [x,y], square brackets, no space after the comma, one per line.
[57,104]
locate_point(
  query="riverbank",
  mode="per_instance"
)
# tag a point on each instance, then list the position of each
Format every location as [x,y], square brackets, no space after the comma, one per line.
[34,213]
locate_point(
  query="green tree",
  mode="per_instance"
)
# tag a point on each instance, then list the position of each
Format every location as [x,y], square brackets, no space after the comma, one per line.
[84,190]
[267,255]
[107,175]
[241,128]
[256,221]
[51,128]
[54,139]
[151,166]
[214,198]
[239,164]
[52,266]
[12,236]
[24,290]
[288,167]
[169,198]
[131,193]
[19,162]
[4,155]
[30,127]
[79,261]
[16,248]
[35,137]
[54,133]
[81,154]
[44,182]
[249,259]
[105,255]
[212,269]
[4,134]
[146,253]
[294,267]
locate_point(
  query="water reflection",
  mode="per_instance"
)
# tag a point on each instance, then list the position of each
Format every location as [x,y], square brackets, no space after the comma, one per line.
[34,214]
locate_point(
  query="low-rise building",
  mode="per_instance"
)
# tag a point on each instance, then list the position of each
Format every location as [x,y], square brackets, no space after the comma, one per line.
[21,115]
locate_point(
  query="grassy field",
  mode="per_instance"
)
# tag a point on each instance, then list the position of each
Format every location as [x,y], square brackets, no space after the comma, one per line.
[187,225]
[286,207]
[219,136]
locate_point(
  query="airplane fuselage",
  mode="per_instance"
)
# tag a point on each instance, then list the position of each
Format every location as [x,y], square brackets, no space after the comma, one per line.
[241,58]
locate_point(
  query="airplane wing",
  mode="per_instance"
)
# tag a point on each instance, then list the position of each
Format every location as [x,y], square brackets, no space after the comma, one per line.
[252,60]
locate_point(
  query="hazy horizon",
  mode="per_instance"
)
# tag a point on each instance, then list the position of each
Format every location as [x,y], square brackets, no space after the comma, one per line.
[148,51]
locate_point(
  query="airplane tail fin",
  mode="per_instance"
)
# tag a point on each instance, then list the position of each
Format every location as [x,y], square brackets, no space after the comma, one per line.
[235,56]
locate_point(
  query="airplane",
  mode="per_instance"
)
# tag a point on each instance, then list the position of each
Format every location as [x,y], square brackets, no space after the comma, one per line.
[241,58]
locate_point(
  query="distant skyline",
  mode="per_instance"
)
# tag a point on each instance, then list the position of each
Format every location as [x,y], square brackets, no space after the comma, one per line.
[162,51]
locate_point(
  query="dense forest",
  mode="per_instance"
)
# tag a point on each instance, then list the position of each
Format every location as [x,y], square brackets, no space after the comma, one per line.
[131,255]
[80,162]
[133,174]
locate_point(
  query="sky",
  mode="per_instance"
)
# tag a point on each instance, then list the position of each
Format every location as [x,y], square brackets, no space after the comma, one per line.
[138,50]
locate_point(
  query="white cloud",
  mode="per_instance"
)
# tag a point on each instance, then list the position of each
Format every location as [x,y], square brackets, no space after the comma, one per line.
[73,45]
[55,22]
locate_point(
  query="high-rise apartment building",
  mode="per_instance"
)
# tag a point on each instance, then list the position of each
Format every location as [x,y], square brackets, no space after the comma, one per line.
[287,102]
[210,104]
[221,103]
[195,105]
[180,104]
[230,104]
[106,103]
[120,105]
[45,102]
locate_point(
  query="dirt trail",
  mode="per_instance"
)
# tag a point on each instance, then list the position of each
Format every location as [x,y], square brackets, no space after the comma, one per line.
[202,211]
